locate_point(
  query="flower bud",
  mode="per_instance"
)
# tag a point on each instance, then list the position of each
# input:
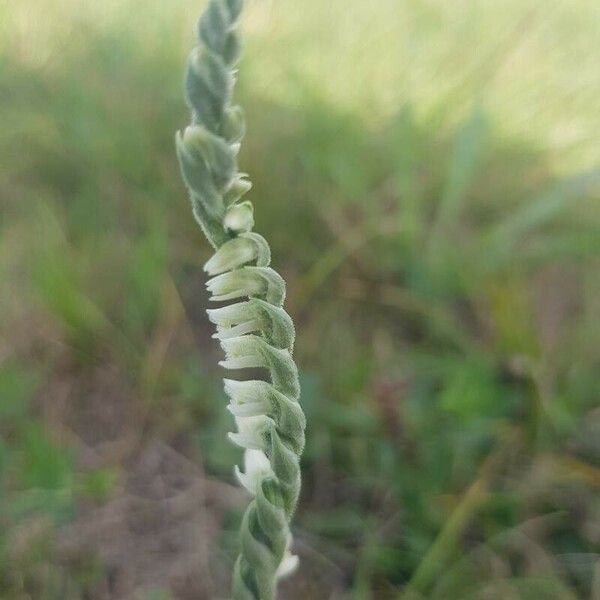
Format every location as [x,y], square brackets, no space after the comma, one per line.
[260,282]
[218,156]
[234,126]
[246,248]
[239,218]
[235,284]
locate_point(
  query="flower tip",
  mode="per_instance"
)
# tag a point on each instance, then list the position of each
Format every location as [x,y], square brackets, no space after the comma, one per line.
[288,566]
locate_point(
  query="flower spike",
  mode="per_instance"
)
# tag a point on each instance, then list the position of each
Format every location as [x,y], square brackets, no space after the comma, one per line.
[255,331]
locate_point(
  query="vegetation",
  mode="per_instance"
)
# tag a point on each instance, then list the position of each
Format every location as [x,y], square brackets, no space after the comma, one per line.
[426,173]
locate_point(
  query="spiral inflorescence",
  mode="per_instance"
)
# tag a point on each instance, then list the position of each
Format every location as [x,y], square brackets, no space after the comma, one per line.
[254,331]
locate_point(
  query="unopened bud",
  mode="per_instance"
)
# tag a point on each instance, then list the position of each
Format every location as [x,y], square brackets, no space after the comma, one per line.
[239,218]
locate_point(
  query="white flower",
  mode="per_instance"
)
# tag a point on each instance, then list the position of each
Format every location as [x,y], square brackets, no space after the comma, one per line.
[251,432]
[225,333]
[235,284]
[256,467]
[242,352]
[289,563]
[227,316]
[236,320]
[240,217]
[248,398]
[231,255]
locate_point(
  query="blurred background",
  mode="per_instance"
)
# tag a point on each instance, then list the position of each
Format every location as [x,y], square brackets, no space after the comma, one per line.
[427,174]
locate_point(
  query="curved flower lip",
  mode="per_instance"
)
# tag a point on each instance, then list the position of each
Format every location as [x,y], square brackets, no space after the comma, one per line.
[251,432]
[241,250]
[257,467]
[274,323]
[231,255]
[234,284]
[248,281]
[246,391]
[288,565]
[220,283]
[244,441]
[252,351]
[239,217]
[249,409]
[231,296]
[242,352]
[247,398]
[225,333]
[228,316]
[242,362]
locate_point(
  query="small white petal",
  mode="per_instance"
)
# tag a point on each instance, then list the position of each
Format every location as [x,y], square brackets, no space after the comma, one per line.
[247,398]
[234,253]
[250,409]
[228,316]
[244,480]
[237,388]
[226,297]
[257,467]
[225,333]
[251,432]
[240,217]
[256,462]
[288,565]
[247,442]
[242,362]
[246,391]
[242,352]
[248,281]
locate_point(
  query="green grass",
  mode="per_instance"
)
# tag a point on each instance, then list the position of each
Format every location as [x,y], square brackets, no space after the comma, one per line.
[427,173]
